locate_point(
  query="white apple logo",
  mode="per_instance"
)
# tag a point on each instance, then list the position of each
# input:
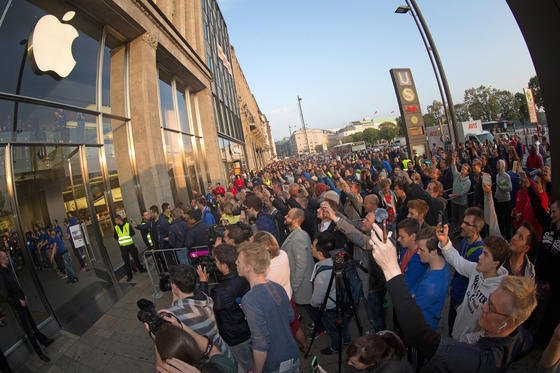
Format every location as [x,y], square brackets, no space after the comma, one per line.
[50,45]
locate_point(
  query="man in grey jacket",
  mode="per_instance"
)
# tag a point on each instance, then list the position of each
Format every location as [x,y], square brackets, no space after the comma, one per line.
[298,247]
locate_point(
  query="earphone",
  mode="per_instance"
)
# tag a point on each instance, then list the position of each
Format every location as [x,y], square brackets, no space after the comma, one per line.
[503,326]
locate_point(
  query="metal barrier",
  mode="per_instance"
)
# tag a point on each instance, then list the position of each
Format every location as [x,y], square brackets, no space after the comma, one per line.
[163,258]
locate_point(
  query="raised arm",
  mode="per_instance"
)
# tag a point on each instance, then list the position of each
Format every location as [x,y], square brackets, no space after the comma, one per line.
[452,256]
[490,212]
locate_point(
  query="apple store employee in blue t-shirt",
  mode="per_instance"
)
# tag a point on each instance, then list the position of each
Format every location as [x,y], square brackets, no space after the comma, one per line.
[431,290]
[58,251]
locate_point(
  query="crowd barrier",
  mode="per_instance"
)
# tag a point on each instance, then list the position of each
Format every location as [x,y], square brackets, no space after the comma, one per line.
[157,262]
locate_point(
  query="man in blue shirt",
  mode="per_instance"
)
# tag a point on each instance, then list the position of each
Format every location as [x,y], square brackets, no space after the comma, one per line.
[268,312]
[263,220]
[59,252]
[431,290]
[207,217]
[409,261]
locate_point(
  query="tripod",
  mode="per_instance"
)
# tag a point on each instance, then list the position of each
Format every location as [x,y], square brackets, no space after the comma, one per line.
[341,282]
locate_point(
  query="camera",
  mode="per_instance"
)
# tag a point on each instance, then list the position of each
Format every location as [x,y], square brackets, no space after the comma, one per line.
[339,257]
[214,232]
[148,314]
[164,282]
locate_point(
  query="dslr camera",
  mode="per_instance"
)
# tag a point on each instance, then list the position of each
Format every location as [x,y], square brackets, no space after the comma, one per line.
[148,314]
[214,232]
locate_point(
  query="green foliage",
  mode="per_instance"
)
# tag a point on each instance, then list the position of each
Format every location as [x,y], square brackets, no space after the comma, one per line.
[434,113]
[371,135]
[388,132]
[461,112]
[487,103]
[521,105]
[537,94]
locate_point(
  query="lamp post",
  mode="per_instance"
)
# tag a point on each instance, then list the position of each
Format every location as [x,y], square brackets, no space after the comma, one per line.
[435,61]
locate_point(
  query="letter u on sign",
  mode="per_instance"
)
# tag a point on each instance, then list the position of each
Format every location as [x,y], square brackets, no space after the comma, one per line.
[404,78]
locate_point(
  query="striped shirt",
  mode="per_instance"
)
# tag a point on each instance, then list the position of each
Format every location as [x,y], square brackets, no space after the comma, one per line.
[196,312]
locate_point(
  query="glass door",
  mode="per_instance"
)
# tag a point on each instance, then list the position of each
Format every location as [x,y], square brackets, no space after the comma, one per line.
[19,266]
[55,206]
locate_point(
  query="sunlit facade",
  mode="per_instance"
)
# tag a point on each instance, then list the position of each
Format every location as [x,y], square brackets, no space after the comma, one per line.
[138,119]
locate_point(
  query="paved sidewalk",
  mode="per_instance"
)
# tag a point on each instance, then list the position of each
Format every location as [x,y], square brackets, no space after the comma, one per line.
[118,342]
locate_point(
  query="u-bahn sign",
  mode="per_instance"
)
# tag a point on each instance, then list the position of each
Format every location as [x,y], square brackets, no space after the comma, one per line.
[410,110]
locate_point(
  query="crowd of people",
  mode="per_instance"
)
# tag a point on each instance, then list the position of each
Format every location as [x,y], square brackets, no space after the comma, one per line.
[477,225]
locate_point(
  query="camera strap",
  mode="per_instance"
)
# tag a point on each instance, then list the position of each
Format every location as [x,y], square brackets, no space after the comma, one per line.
[208,347]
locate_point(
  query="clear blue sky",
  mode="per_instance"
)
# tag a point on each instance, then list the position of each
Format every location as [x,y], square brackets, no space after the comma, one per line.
[337,55]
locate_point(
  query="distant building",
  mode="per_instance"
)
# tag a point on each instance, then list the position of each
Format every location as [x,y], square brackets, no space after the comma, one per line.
[283,147]
[302,144]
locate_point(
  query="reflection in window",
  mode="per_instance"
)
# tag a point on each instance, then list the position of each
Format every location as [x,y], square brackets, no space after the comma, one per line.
[46,124]
[175,167]
[168,117]
[78,88]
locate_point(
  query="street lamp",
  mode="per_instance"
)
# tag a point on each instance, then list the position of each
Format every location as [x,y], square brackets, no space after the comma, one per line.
[435,61]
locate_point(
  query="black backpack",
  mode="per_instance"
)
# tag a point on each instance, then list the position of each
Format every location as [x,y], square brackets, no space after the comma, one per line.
[356,286]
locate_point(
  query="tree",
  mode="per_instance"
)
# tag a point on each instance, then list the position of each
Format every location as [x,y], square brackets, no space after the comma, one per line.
[508,105]
[461,112]
[388,132]
[535,86]
[521,105]
[434,112]
[400,125]
[482,103]
[371,135]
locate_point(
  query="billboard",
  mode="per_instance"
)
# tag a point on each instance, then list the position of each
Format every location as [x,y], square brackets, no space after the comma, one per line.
[531,105]
[411,113]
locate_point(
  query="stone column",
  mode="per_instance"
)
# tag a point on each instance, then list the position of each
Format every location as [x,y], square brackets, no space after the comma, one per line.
[145,121]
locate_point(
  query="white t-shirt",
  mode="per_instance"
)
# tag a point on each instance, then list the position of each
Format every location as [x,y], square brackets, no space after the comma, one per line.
[279,272]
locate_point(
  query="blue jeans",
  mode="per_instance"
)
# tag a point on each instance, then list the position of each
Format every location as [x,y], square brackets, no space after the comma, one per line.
[68,265]
[376,312]
[329,321]
[182,256]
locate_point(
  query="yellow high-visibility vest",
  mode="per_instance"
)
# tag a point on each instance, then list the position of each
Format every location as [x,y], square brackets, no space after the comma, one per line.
[149,236]
[124,235]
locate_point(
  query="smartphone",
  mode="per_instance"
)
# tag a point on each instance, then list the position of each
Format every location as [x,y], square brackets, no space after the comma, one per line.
[384,226]
[440,222]
[314,365]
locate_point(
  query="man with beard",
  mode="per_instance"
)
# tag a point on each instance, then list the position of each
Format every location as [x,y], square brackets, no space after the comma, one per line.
[298,247]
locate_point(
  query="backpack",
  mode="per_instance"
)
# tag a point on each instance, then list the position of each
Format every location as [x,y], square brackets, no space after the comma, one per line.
[354,281]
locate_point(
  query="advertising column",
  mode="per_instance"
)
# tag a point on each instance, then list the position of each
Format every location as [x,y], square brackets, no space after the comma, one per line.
[410,111]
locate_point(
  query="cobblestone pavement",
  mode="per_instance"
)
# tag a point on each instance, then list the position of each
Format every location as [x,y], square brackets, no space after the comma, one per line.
[118,342]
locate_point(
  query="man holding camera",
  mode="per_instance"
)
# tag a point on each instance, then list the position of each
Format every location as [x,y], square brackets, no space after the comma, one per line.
[324,243]
[194,309]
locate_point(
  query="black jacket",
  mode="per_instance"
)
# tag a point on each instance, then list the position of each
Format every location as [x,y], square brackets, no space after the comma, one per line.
[144,229]
[178,234]
[230,318]
[163,231]
[153,229]
[197,235]
[14,292]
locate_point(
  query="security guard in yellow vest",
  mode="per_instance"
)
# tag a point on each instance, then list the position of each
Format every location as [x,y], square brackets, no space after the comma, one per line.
[123,234]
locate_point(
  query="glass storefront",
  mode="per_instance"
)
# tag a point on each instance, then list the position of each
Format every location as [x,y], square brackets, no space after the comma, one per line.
[58,168]
[233,157]
[178,137]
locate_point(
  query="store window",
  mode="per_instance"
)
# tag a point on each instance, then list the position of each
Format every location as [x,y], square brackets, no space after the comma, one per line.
[19,74]
[179,141]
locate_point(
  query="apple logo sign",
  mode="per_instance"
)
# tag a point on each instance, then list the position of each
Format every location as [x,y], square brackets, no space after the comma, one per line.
[50,45]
